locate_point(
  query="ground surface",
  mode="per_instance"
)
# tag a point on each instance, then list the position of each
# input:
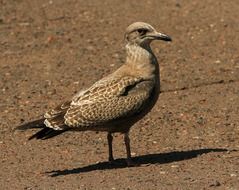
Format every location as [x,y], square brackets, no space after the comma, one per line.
[51,49]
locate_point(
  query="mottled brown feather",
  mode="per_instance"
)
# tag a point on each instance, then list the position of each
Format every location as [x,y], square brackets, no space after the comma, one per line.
[55,117]
[111,103]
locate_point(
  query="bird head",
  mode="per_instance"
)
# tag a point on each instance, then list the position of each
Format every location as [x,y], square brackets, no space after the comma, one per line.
[141,33]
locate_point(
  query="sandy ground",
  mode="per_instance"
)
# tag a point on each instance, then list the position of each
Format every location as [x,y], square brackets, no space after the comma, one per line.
[51,49]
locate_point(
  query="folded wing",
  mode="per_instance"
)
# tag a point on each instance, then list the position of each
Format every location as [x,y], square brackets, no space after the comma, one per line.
[106,102]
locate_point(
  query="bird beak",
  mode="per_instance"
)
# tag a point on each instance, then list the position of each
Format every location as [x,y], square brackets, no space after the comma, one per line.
[160,36]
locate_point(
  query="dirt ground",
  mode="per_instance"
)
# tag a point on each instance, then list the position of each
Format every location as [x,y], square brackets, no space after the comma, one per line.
[50,49]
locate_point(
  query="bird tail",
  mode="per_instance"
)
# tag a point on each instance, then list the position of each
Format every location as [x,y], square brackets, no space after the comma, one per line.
[47,133]
[39,123]
[44,133]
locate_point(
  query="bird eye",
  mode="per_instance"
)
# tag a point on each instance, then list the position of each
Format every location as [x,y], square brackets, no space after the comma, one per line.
[142,31]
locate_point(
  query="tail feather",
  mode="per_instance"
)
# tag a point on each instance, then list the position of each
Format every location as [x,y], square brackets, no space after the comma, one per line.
[39,123]
[44,133]
[47,133]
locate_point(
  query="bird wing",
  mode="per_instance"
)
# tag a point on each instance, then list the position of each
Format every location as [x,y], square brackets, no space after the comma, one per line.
[103,90]
[55,117]
[108,100]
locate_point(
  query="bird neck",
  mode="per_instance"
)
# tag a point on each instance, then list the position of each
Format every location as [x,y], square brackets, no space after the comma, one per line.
[138,54]
[142,60]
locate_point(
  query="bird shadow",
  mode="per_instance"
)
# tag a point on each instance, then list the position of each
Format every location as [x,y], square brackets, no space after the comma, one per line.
[161,158]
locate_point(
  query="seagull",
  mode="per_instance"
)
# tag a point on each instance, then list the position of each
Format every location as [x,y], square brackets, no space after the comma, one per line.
[114,103]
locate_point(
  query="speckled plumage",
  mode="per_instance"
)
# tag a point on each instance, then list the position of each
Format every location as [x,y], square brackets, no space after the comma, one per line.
[116,102]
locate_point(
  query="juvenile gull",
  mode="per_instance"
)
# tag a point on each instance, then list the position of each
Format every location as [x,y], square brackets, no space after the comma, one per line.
[116,102]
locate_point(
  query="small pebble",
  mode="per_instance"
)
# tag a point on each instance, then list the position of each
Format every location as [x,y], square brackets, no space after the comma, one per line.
[215,184]
[133,153]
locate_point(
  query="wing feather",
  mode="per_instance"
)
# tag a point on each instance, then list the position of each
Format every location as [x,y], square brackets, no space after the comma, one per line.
[108,101]
[102,103]
[55,118]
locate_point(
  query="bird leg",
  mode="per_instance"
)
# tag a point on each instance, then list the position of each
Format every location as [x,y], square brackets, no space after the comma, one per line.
[110,140]
[127,144]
